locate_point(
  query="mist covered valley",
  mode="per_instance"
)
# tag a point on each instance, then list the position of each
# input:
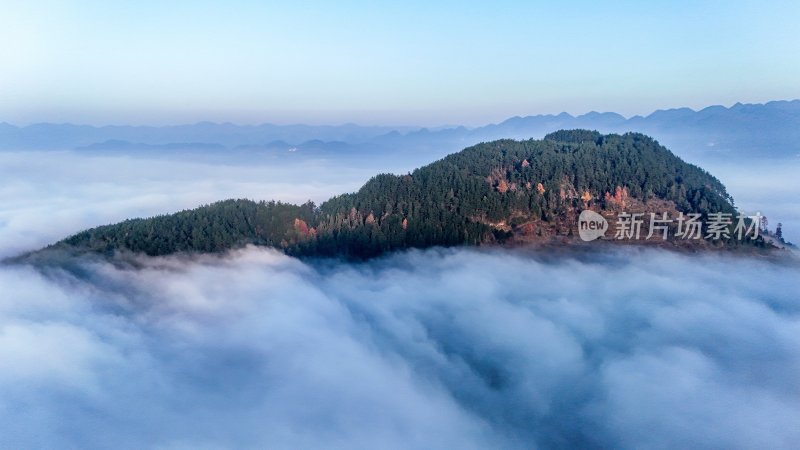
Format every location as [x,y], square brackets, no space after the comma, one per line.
[470,225]
[440,348]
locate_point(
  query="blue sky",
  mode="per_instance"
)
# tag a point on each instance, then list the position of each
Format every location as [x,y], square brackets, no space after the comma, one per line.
[421,63]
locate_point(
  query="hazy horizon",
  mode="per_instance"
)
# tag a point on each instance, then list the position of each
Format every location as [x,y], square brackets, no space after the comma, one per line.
[395,125]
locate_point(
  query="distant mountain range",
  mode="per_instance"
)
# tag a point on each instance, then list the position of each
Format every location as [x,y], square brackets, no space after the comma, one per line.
[769,130]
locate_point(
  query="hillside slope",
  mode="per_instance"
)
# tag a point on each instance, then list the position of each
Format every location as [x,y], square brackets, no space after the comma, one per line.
[502,191]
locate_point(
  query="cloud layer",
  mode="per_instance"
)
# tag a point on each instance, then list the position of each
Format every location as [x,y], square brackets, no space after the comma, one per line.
[46,196]
[433,349]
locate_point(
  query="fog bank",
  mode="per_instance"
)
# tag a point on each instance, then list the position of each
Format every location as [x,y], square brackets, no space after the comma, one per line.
[47,196]
[425,349]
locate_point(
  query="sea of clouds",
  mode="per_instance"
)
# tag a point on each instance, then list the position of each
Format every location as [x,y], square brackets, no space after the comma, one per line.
[426,349]
[459,348]
[46,196]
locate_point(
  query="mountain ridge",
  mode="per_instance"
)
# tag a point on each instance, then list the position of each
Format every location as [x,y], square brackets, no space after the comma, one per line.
[763,130]
[500,192]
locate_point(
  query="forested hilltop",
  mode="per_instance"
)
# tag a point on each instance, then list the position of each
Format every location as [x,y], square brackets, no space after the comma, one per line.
[501,191]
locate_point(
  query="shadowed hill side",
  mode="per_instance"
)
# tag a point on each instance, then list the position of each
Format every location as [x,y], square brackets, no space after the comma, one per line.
[518,191]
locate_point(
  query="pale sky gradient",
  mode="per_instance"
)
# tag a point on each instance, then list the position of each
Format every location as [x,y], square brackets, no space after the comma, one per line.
[167,62]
